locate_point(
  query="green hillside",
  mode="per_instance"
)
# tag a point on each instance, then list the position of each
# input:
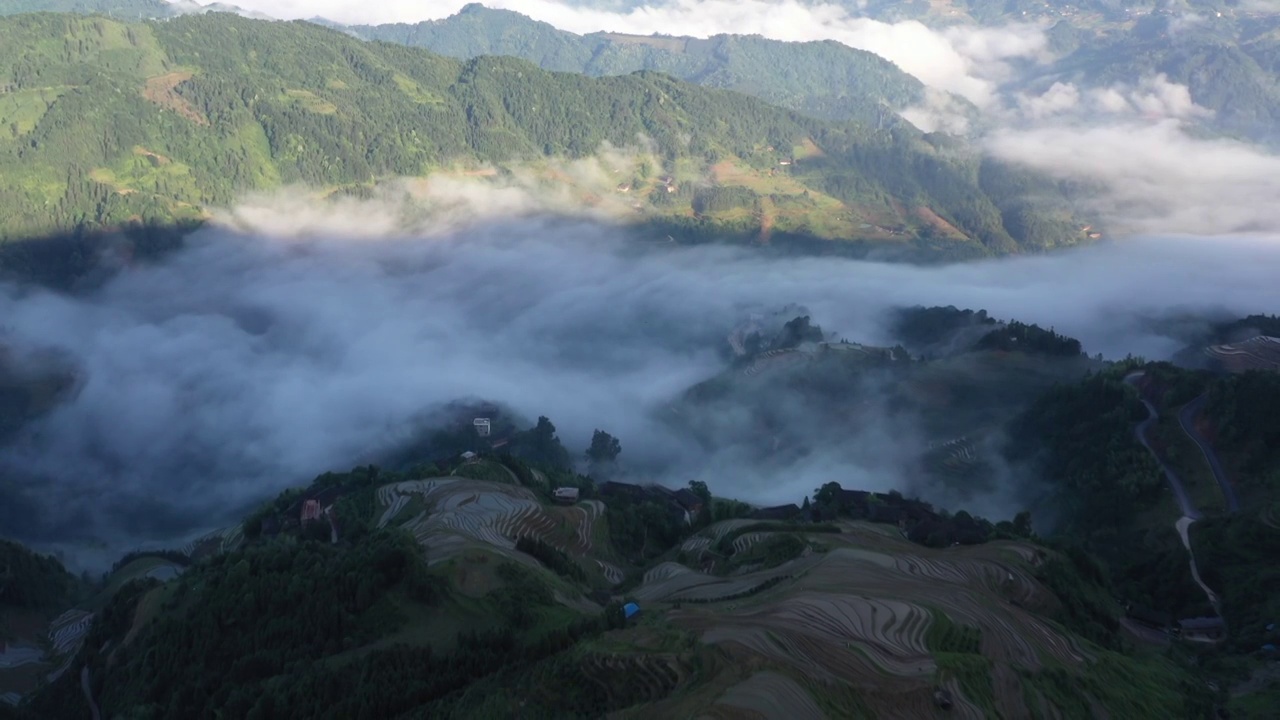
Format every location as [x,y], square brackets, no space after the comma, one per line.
[416,603]
[104,124]
[463,587]
[822,79]
[118,8]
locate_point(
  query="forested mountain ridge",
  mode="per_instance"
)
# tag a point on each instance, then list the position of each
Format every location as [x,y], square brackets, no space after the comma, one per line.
[822,79]
[468,586]
[387,606]
[104,123]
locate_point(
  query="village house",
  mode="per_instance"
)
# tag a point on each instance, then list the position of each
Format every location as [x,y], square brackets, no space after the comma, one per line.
[1203,629]
[468,456]
[566,495]
[778,512]
[688,500]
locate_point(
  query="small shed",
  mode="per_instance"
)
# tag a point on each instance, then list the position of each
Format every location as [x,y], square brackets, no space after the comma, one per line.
[468,456]
[1202,628]
[630,610]
[568,495]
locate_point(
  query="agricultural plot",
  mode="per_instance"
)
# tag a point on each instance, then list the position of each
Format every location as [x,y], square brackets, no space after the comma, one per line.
[956,458]
[862,615]
[672,582]
[460,513]
[67,631]
[217,542]
[583,518]
[743,543]
[724,527]
[775,360]
[696,544]
[772,696]
[611,572]
[1258,353]
[17,655]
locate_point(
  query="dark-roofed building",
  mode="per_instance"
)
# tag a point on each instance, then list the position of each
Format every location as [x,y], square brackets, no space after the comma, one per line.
[688,500]
[1202,628]
[778,512]
[621,489]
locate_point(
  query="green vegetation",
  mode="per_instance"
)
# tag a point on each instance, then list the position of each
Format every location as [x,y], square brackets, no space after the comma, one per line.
[1080,437]
[822,79]
[32,581]
[1246,428]
[1029,339]
[119,8]
[552,557]
[113,125]
[945,636]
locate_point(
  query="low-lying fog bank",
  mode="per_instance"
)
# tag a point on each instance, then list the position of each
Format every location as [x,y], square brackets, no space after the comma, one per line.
[252,361]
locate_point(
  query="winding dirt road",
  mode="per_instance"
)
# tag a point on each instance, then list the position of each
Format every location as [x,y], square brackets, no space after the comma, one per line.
[1187,419]
[1140,431]
[1189,512]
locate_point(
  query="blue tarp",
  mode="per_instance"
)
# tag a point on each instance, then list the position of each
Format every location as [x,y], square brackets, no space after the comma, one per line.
[630,609]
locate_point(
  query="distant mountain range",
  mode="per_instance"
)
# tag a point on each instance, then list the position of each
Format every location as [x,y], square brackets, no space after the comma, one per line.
[105,124]
[1226,52]
[822,79]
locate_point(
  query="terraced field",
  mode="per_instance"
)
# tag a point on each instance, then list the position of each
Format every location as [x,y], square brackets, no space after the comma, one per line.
[957,458]
[772,696]
[673,582]
[645,677]
[860,613]
[68,630]
[459,513]
[774,360]
[1258,353]
[215,543]
[611,572]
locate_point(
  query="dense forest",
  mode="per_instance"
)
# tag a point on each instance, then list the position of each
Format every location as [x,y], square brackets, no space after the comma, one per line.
[105,124]
[826,80]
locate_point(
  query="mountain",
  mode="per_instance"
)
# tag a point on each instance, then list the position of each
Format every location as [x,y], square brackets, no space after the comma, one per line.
[468,582]
[106,124]
[127,9]
[822,79]
[407,598]
[119,8]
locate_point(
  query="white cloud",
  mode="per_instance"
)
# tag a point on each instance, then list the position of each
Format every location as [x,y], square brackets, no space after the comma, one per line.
[1158,178]
[1152,98]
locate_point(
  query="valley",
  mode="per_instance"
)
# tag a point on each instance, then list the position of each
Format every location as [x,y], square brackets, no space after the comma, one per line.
[833,604]
[907,360]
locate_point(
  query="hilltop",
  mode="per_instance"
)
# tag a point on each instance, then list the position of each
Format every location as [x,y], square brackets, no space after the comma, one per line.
[481,571]
[106,124]
[826,79]
[412,596]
